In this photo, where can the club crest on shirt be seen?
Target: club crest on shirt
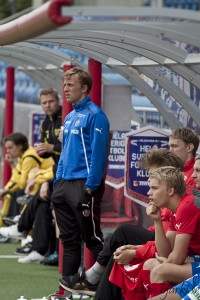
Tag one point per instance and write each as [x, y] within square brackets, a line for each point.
[77, 123]
[86, 212]
[56, 131]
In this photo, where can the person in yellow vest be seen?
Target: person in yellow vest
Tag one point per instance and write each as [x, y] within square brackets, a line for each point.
[36, 177]
[22, 158]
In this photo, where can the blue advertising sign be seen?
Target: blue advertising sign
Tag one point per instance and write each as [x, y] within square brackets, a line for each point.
[116, 159]
[36, 119]
[137, 144]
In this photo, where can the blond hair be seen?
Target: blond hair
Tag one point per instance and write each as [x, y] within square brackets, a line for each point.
[172, 176]
[83, 76]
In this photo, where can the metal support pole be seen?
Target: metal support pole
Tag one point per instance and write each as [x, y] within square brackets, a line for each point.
[9, 114]
[95, 69]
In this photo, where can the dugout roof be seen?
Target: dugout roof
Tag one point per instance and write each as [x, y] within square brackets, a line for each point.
[134, 42]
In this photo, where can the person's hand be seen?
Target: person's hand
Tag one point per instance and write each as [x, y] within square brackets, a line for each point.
[3, 193]
[124, 256]
[10, 160]
[130, 247]
[153, 211]
[43, 148]
[161, 259]
[44, 191]
[29, 185]
[60, 136]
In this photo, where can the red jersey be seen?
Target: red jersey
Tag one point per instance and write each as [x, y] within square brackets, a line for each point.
[190, 184]
[188, 170]
[187, 220]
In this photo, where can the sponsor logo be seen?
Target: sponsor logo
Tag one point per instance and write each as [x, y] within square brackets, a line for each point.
[146, 286]
[81, 116]
[75, 131]
[130, 267]
[100, 130]
[178, 226]
[140, 183]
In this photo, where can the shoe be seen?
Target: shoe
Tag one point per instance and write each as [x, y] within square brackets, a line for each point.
[33, 257]
[27, 240]
[4, 239]
[12, 232]
[57, 297]
[78, 284]
[8, 221]
[60, 295]
[51, 260]
[24, 199]
[16, 219]
[25, 250]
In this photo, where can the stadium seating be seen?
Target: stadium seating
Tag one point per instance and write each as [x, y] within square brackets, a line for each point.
[184, 4]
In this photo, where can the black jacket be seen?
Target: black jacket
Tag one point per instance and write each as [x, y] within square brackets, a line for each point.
[49, 134]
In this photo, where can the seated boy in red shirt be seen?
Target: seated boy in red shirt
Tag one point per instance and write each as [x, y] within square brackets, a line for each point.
[167, 189]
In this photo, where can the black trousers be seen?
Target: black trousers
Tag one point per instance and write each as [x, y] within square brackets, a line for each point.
[15, 208]
[38, 216]
[74, 226]
[124, 235]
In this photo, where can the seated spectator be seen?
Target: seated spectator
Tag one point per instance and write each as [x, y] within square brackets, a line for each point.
[38, 217]
[17, 147]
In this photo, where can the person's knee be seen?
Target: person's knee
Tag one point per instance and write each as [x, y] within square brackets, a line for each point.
[150, 264]
[122, 232]
[158, 273]
[126, 227]
[120, 229]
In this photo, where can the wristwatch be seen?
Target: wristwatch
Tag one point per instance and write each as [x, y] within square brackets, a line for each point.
[88, 191]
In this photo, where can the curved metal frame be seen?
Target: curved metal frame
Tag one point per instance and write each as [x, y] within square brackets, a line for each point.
[119, 45]
[170, 87]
